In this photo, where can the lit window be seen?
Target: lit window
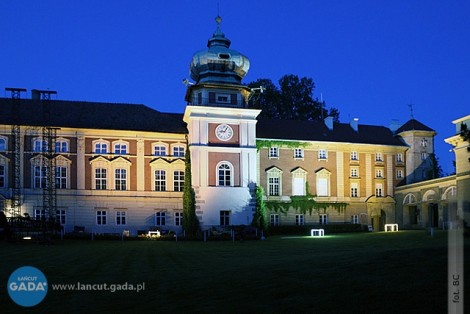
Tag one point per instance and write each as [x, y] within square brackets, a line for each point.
[39, 146]
[101, 148]
[378, 190]
[60, 216]
[354, 155]
[160, 180]
[3, 144]
[121, 218]
[2, 176]
[178, 218]
[273, 152]
[298, 153]
[322, 154]
[101, 217]
[354, 190]
[299, 219]
[120, 179]
[160, 218]
[40, 176]
[61, 177]
[355, 219]
[322, 186]
[159, 150]
[178, 151]
[101, 179]
[225, 218]
[323, 219]
[274, 220]
[178, 181]
[224, 173]
[120, 149]
[61, 147]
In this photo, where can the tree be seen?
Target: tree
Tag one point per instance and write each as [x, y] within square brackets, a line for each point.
[436, 171]
[260, 219]
[292, 100]
[190, 221]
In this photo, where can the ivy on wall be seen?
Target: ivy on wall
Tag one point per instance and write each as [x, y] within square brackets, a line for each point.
[272, 143]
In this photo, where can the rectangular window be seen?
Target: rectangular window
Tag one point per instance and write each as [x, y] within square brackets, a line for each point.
[120, 149]
[3, 145]
[39, 214]
[40, 175]
[101, 179]
[273, 152]
[159, 150]
[274, 220]
[424, 142]
[322, 186]
[160, 218]
[299, 219]
[61, 147]
[60, 216]
[199, 98]
[178, 181]
[101, 148]
[121, 218]
[160, 180]
[399, 174]
[354, 172]
[40, 146]
[2, 176]
[354, 190]
[378, 157]
[378, 173]
[354, 155]
[424, 156]
[101, 217]
[298, 186]
[225, 218]
[178, 218]
[274, 186]
[323, 219]
[378, 190]
[322, 154]
[60, 177]
[355, 219]
[120, 179]
[178, 151]
[298, 153]
[399, 158]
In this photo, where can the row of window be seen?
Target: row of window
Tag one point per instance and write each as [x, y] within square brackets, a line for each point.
[378, 173]
[274, 152]
[274, 219]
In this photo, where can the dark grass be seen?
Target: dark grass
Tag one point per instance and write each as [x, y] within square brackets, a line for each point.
[404, 272]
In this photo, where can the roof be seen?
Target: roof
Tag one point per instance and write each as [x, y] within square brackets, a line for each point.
[298, 130]
[413, 125]
[88, 115]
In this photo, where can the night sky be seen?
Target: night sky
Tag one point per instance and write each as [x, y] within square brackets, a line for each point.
[370, 59]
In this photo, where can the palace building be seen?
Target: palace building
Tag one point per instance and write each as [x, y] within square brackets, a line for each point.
[105, 168]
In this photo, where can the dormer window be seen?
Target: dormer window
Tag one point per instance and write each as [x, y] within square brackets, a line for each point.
[224, 55]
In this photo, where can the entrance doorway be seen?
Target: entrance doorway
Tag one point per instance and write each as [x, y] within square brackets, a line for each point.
[433, 215]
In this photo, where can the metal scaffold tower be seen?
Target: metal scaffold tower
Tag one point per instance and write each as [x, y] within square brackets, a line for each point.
[16, 199]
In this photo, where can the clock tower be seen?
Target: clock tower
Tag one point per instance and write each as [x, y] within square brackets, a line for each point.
[222, 135]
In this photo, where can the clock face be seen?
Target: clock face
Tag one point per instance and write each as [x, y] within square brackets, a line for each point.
[224, 132]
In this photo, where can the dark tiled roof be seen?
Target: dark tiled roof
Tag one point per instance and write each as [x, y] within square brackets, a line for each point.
[296, 130]
[413, 125]
[88, 115]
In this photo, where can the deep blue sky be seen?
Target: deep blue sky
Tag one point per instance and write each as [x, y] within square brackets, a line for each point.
[369, 59]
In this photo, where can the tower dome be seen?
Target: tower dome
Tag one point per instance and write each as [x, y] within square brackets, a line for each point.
[218, 63]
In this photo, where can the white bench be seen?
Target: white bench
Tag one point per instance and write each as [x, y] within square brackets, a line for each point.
[391, 227]
[154, 233]
[317, 232]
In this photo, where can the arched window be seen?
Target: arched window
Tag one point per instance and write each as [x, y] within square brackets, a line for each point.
[224, 174]
[3, 144]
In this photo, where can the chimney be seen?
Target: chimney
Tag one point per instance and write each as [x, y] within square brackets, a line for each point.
[329, 123]
[35, 94]
[355, 124]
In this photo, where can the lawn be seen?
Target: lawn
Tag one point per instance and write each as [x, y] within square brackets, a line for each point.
[349, 273]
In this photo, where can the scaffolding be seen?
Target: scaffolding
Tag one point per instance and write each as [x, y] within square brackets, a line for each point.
[16, 199]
